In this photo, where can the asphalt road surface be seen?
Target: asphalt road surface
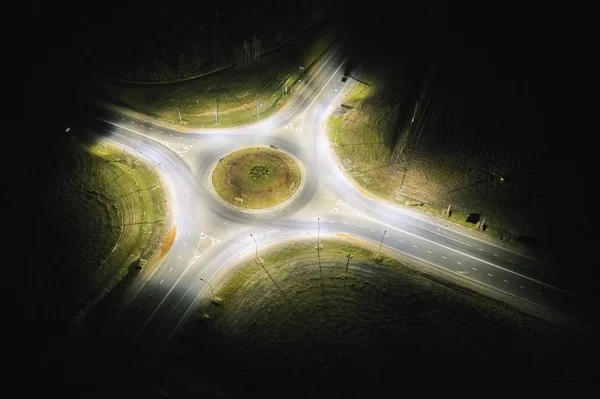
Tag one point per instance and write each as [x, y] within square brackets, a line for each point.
[212, 235]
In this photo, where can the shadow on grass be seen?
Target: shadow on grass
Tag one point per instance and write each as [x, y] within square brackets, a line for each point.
[473, 218]
[537, 243]
[108, 307]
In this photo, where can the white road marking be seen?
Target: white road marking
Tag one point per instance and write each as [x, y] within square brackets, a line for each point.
[527, 266]
[170, 135]
[151, 294]
[428, 251]
[345, 222]
[193, 139]
[458, 262]
[189, 231]
[415, 246]
[539, 293]
[185, 243]
[474, 268]
[444, 257]
[400, 241]
[331, 221]
[495, 254]
[506, 281]
[475, 258]
[151, 129]
[521, 286]
[490, 275]
[359, 225]
[510, 260]
[171, 268]
[161, 281]
[179, 256]
[480, 249]
[204, 236]
[373, 230]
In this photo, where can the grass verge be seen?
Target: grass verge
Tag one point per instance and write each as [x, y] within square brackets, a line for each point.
[305, 325]
[256, 178]
[100, 212]
[230, 98]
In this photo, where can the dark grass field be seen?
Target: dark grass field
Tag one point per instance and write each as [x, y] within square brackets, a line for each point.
[382, 329]
[86, 214]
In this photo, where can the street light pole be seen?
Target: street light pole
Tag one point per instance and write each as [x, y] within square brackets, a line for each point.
[212, 293]
[256, 245]
[318, 231]
[379, 250]
[180, 121]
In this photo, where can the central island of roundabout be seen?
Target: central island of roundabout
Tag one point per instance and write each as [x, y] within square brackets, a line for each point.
[257, 178]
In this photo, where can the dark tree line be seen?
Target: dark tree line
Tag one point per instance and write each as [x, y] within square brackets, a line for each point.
[159, 39]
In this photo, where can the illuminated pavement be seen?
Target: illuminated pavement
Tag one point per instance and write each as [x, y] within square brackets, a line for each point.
[212, 235]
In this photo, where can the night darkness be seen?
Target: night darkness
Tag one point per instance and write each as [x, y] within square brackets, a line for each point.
[509, 60]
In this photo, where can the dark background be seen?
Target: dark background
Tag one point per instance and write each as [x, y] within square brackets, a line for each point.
[530, 48]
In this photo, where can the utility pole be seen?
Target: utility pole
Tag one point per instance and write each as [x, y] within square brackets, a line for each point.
[347, 262]
[379, 250]
[180, 121]
[448, 210]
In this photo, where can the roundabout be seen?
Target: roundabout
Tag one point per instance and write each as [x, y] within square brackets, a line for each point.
[256, 178]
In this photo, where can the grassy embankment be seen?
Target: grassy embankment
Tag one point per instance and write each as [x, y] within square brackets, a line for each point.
[256, 178]
[311, 328]
[366, 140]
[227, 98]
[99, 213]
